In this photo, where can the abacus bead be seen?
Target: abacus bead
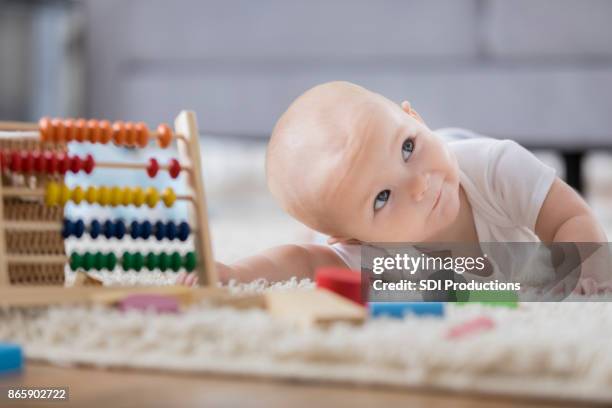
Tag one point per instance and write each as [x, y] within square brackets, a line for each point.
[78, 194]
[152, 167]
[68, 228]
[174, 168]
[170, 230]
[93, 131]
[145, 229]
[160, 230]
[119, 229]
[45, 129]
[94, 229]
[163, 261]
[51, 162]
[91, 195]
[27, 161]
[126, 196]
[126, 261]
[164, 135]
[130, 134]
[135, 229]
[65, 194]
[76, 261]
[108, 229]
[111, 261]
[189, 261]
[70, 130]
[137, 261]
[59, 133]
[52, 194]
[106, 131]
[138, 196]
[168, 197]
[104, 196]
[176, 261]
[75, 164]
[39, 162]
[79, 228]
[89, 164]
[151, 261]
[183, 231]
[81, 131]
[15, 162]
[99, 261]
[116, 196]
[152, 197]
[119, 133]
[63, 163]
[88, 261]
[142, 132]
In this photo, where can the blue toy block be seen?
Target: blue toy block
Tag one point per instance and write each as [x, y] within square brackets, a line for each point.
[11, 358]
[399, 309]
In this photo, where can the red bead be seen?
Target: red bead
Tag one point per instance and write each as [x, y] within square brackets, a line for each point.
[27, 161]
[39, 162]
[75, 164]
[88, 164]
[174, 168]
[344, 282]
[4, 160]
[64, 163]
[51, 162]
[15, 162]
[153, 167]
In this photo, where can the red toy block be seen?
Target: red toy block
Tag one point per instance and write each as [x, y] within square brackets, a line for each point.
[344, 282]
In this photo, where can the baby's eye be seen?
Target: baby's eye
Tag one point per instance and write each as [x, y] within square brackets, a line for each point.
[381, 199]
[407, 148]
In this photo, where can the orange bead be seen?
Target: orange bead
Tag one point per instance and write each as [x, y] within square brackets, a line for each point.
[93, 131]
[164, 135]
[70, 129]
[46, 131]
[119, 133]
[106, 131]
[142, 134]
[80, 126]
[130, 134]
[59, 133]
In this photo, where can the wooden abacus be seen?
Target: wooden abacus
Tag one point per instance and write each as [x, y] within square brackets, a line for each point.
[48, 161]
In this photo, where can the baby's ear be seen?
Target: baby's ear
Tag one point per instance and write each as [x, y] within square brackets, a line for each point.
[342, 240]
[408, 109]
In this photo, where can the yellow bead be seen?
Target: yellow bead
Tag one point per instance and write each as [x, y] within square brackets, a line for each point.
[78, 194]
[138, 196]
[126, 196]
[169, 197]
[52, 194]
[91, 195]
[104, 196]
[152, 197]
[65, 194]
[116, 196]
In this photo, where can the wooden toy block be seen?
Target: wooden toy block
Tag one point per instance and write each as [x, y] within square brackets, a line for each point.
[313, 307]
[344, 282]
[149, 302]
[85, 279]
[11, 358]
[400, 309]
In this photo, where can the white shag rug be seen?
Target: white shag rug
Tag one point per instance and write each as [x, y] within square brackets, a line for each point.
[549, 350]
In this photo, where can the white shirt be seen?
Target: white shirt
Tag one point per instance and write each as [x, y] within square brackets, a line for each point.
[504, 182]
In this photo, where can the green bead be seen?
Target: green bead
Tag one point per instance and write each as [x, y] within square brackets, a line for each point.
[99, 261]
[189, 261]
[76, 261]
[137, 261]
[176, 261]
[111, 261]
[88, 261]
[163, 261]
[151, 261]
[126, 261]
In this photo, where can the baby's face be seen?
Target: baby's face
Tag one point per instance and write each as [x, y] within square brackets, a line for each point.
[397, 182]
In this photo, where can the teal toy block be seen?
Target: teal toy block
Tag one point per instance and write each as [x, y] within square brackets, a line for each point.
[11, 358]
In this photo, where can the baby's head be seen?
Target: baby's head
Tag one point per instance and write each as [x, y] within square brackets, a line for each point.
[351, 164]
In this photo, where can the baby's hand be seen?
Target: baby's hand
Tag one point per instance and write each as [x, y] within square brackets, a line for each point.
[224, 273]
[589, 287]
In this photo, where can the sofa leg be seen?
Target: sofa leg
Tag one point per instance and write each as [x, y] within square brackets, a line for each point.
[573, 169]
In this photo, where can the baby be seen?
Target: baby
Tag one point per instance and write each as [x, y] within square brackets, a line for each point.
[355, 166]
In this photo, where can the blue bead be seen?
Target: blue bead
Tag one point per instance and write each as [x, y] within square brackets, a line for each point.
[134, 229]
[79, 228]
[68, 228]
[119, 229]
[145, 231]
[94, 229]
[108, 229]
[400, 309]
[183, 231]
[160, 230]
[11, 358]
[170, 230]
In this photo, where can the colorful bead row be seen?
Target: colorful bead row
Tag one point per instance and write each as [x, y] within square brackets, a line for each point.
[174, 168]
[60, 194]
[57, 130]
[133, 261]
[25, 161]
[118, 229]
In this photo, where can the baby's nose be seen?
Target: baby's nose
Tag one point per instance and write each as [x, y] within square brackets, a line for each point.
[419, 186]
